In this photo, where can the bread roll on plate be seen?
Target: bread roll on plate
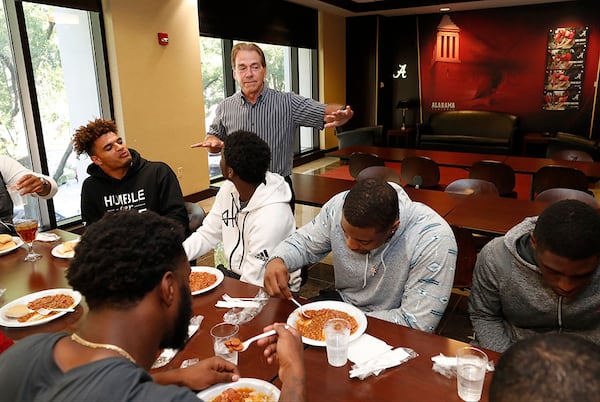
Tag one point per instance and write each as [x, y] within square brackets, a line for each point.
[17, 311]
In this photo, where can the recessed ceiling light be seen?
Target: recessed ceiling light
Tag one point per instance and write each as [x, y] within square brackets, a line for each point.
[444, 9]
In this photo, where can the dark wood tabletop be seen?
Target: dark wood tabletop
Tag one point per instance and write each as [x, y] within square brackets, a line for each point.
[530, 165]
[413, 380]
[492, 215]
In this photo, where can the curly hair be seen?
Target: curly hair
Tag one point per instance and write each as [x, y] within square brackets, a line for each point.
[84, 137]
[123, 256]
[248, 155]
[371, 203]
[570, 229]
[251, 47]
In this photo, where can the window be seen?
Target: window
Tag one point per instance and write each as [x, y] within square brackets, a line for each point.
[62, 67]
[289, 69]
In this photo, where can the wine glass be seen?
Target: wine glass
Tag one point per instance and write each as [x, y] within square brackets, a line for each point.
[27, 229]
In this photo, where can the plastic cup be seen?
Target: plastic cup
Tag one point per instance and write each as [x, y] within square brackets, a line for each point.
[18, 200]
[471, 364]
[221, 333]
[337, 338]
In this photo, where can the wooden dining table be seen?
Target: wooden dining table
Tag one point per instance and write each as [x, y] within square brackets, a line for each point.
[413, 380]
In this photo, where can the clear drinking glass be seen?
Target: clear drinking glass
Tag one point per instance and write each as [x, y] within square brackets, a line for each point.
[27, 229]
[221, 333]
[471, 364]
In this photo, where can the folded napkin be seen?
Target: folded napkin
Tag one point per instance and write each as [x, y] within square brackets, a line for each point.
[168, 354]
[446, 365]
[242, 302]
[45, 236]
[371, 356]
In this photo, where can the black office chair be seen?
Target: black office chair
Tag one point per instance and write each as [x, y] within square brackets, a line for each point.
[420, 172]
[359, 161]
[553, 195]
[501, 174]
[554, 176]
[196, 215]
[382, 172]
[472, 187]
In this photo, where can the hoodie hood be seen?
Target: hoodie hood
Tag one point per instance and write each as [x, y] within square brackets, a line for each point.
[274, 190]
[512, 237]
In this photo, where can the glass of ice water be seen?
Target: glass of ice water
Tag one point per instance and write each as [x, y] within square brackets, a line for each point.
[337, 338]
[221, 333]
[471, 364]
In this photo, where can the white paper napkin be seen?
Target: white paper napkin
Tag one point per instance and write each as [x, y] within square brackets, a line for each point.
[47, 237]
[366, 347]
[375, 366]
[446, 365]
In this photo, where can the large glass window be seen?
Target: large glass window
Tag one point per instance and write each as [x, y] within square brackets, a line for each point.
[63, 55]
[288, 69]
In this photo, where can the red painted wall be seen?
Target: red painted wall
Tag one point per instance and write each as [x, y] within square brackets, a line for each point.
[503, 64]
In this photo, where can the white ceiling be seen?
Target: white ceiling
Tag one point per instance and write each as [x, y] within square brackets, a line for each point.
[461, 6]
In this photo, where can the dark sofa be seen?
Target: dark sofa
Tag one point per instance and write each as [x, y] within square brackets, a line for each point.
[470, 131]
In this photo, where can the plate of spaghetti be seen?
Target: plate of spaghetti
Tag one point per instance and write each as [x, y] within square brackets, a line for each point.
[22, 311]
[321, 311]
[244, 389]
[203, 279]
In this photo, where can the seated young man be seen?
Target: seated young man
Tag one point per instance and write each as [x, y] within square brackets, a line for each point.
[251, 213]
[542, 276]
[134, 275]
[392, 258]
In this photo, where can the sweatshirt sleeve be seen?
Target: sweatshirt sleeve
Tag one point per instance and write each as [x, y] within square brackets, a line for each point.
[207, 236]
[485, 305]
[429, 283]
[312, 242]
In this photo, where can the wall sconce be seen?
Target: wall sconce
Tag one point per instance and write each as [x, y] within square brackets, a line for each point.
[403, 105]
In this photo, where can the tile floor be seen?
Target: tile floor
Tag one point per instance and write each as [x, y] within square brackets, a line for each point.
[455, 324]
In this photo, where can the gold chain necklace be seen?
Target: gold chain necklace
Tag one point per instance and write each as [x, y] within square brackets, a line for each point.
[122, 352]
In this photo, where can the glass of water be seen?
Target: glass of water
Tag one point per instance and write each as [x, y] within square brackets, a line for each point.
[471, 364]
[337, 338]
[221, 333]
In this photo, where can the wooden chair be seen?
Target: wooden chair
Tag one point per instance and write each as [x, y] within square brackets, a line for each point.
[420, 172]
[359, 161]
[572, 155]
[472, 187]
[501, 174]
[556, 194]
[554, 176]
[383, 172]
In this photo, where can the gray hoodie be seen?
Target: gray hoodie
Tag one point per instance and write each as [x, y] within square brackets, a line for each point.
[510, 301]
[407, 280]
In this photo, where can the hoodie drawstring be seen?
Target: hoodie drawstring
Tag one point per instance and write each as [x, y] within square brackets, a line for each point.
[367, 264]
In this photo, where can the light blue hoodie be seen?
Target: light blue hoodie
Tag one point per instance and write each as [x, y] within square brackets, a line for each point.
[407, 280]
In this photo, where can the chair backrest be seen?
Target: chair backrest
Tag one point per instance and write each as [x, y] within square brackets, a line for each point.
[359, 160]
[553, 176]
[420, 171]
[572, 155]
[556, 194]
[361, 136]
[561, 141]
[499, 173]
[472, 187]
[196, 215]
[383, 172]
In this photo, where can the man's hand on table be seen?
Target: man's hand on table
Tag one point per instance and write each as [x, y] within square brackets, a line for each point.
[276, 279]
[205, 373]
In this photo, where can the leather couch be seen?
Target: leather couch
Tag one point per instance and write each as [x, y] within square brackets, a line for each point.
[470, 131]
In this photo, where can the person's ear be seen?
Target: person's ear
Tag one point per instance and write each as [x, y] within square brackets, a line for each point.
[532, 240]
[96, 160]
[167, 288]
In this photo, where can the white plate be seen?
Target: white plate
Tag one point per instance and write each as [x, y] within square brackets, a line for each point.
[57, 250]
[13, 322]
[358, 315]
[210, 270]
[261, 386]
[18, 243]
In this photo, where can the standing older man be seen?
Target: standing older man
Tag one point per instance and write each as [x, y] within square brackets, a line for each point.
[271, 114]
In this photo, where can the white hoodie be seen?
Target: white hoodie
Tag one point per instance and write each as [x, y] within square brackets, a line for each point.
[250, 234]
